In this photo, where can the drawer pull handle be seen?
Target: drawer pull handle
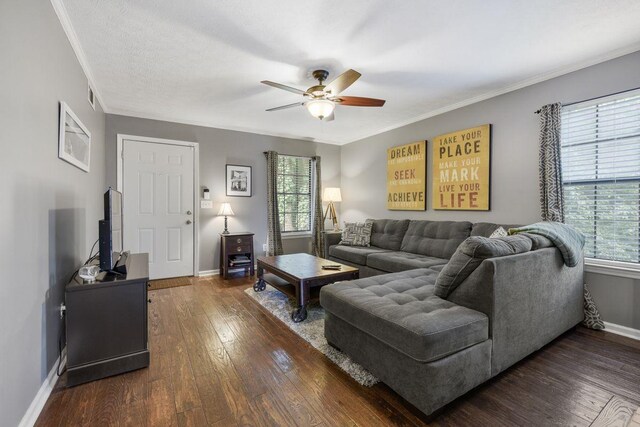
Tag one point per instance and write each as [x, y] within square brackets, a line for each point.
[238, 240]
[239, 249]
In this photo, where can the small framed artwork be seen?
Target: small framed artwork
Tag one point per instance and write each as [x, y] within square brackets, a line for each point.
[238, 181]
[74, 139]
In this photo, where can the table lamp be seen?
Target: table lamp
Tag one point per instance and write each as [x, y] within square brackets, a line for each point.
[331, 195]
[225, 210]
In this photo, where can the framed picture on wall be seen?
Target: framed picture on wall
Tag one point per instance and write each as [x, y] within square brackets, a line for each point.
[74, 139]
[407, 177]
[238, 181]
[461, 170]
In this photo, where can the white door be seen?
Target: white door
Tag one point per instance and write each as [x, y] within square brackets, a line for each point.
[158, 205]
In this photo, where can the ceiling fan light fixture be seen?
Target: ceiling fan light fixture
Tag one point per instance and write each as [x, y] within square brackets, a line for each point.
[320, 108]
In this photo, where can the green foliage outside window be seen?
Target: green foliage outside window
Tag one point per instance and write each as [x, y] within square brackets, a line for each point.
[294, 193]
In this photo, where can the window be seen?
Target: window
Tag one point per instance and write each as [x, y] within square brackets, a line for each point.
[294, 193]
[600, 149]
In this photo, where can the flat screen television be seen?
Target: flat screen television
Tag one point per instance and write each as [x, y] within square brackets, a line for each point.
[110, 232]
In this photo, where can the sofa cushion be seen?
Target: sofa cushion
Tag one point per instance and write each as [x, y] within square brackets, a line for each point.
[388, 233]
[470, 255]
[401, 261]
[355, 254]
[401, 310]
[435, 238]
[485, 229]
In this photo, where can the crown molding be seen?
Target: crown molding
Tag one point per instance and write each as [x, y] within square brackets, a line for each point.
[506, 89]
[65, 21]
[136, 114]
[464, 103]
[63, 16]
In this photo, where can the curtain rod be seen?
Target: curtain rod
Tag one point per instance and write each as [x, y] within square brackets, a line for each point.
[292, 155]
[594, 98]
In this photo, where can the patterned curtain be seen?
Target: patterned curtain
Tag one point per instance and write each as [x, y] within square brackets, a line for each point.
[274, 244]
[317, 219]
[551, 193]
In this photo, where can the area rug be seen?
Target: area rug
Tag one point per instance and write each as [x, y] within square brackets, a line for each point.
[174, 282]
[311, 330]
[618, 412]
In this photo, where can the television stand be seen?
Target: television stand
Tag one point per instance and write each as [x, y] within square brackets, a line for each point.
[106, 323]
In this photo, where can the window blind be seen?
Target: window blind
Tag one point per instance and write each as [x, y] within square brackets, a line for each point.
[600, 150]
[294, 193]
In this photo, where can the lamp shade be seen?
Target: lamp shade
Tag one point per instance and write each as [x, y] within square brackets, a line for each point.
[320, 108]
[332, 194]
[225, 210]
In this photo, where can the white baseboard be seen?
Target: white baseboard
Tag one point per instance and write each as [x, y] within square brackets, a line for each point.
[625, 331]
[31, 416]
[205, 273]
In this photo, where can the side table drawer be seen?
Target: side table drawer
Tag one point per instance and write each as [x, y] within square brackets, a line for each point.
[237, 249]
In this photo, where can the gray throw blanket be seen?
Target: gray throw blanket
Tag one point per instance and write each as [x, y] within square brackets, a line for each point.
[569, 240]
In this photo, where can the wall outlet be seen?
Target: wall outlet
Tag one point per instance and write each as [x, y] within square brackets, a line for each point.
[264, 247]
[206, 204]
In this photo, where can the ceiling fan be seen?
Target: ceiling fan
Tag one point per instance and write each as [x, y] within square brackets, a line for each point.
[322, 99]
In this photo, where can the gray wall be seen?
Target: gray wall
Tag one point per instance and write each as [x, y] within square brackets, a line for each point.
[50, 209]
[217, 148]
[514, 192]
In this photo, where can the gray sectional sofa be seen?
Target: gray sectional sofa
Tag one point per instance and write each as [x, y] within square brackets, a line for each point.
[432, 342]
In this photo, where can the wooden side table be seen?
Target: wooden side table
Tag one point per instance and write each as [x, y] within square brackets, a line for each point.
[236, 253]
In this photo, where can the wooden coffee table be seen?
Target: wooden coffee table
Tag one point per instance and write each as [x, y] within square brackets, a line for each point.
[296, 274]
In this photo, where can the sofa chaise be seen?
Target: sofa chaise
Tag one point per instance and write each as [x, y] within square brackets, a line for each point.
[432, 338]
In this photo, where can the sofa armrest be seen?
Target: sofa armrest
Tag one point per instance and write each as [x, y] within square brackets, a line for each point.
[530, 299]
[330, 238]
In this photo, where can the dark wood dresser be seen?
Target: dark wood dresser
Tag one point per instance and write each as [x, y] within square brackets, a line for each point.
[106, 323]
[236, 253]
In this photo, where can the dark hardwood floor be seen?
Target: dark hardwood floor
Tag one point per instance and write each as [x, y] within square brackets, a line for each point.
[218, 358]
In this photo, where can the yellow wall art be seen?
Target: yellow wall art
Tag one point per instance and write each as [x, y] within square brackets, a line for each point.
[407, 177]
[461, 173]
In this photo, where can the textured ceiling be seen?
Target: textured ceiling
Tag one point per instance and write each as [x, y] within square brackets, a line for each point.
[201, 61]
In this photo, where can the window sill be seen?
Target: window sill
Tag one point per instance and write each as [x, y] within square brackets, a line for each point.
[295, 235]
[612, 268]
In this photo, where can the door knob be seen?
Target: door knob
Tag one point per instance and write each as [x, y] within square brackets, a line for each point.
[188, 221]
[188, 212]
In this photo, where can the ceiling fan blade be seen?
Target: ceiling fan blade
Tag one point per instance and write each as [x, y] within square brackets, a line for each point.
[342, 82]
[282, 107]
[283, 87]
[331, 117]
[358, 101]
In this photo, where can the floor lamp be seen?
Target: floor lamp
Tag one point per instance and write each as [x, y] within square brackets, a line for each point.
[331, 195]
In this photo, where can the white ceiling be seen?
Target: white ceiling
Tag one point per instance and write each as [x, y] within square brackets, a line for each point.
[201, 62]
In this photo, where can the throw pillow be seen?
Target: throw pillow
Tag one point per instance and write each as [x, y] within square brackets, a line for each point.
[592, 318]
[357, 233]
[470, 255]
[499, 232]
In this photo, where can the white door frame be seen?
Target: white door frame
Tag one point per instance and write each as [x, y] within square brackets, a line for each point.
[196, 183]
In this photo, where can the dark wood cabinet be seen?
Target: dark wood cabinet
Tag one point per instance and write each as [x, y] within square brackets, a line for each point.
[236, 253]
[106, 323]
